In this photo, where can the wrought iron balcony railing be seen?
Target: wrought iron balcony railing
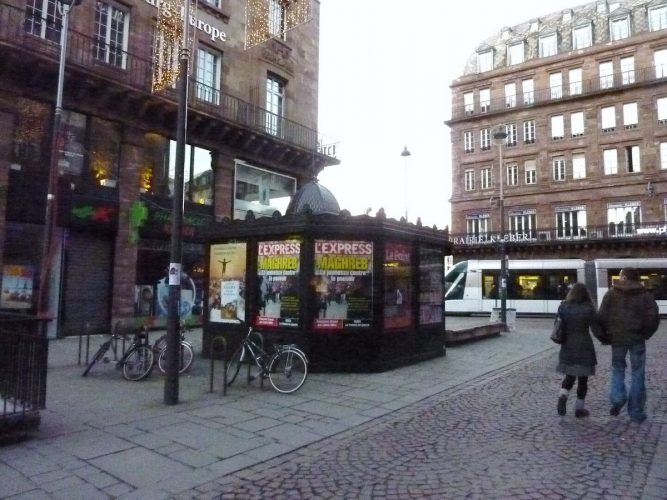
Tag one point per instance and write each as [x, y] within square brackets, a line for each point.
[574, 90]
[588, 233]
[134, 72]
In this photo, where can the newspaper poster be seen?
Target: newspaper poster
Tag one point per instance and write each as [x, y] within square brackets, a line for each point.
[397, 286]
[227, 282]
[278, 266]
[343, 284]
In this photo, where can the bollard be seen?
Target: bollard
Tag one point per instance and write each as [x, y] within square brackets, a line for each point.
[223, 342]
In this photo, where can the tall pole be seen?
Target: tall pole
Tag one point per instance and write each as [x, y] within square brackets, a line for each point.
[500, 134]
[405, 154]
[171, 380]
[51, 213]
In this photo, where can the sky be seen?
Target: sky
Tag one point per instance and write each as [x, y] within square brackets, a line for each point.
[385, 71]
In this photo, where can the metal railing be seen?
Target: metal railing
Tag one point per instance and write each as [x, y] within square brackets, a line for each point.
[136, 72]
[583, 233]
[23, 365]
[604, 83]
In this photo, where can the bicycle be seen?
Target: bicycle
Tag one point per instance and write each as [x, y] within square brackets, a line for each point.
[136, 362]
[186, 352]
[286, 368]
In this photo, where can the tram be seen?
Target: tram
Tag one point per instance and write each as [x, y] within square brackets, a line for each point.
[538, 286]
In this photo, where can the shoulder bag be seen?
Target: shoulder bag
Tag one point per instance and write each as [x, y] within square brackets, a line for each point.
[558, 332]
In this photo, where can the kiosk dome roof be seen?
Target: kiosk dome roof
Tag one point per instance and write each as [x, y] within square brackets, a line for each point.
[316, 198]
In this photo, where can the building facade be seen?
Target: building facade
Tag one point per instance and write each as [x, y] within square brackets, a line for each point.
[252, 140]
[580, 100]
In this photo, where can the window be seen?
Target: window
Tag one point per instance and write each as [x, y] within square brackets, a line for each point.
[619, 28]
[610, 160]
[485, 178]
[199, 182]
[660, 62]
[275, 104]
[582, 37]
[657, 18]
[214, 3]
[558, 164]
[663, 155]
[570, 222]
[530, 168]
[208, 75]
[468, 103]
[608, 119]
[43, 19]
[468, 141]
[261, 191]
[661, 104]
[557, 127]
[111, 32]
[548, 45]
[485, 139]
[628, 70]
[633, 159]
[579, 166]
[630, 115]
[485, 61]
[575, 78]
[72, 155]
[512, 174]
[276, 21]
[469, 178]
[622, 217]
[510, 95]
[577, 124]
[510, 129]
[477, 225]
[606, 75]
[522, 224]
[529, 131]
[528, 91]
[556, 85]
[515, 53]
[485, 100]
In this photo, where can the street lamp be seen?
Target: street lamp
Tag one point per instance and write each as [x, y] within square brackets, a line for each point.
[51, 213]
[405, 153]
[499, 136]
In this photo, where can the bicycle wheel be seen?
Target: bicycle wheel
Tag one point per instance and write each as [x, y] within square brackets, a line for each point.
[98, 355]
[234, 365]
[288, 369]
[138, 363]
[185, 357]
[160, 345]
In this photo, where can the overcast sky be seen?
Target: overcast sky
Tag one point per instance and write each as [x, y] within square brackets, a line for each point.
[385, 71]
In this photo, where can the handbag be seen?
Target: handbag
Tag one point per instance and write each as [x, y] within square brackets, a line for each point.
[558, 331]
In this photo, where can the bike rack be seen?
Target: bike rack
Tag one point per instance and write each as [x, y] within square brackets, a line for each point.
[218, 342]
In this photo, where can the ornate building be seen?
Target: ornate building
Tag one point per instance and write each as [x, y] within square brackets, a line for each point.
[252, 140]
[577, 101]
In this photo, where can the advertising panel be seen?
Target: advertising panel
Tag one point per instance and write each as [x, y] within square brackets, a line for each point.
[397, 286]
[278, 266]
[431, 287]
[17, 283]
[343, 284]
[227, 283]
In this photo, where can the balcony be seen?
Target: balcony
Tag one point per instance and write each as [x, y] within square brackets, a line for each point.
[32, 62]
[601, 84]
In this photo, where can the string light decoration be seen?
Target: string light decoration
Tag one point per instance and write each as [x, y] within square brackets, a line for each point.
[168, 43]
[266, 19]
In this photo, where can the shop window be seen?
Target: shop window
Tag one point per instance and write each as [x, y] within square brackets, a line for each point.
[32, 138]
[261, 191]
[72, 150]
[104, 152]
[198, 178]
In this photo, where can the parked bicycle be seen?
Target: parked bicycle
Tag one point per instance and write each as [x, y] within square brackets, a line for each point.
[186, 353]
[286, 368]
[136, 362]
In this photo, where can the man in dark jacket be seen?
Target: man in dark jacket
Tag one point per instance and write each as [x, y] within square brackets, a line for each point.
[629, 316]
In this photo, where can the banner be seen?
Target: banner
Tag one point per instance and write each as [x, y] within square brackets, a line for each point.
[278, 266]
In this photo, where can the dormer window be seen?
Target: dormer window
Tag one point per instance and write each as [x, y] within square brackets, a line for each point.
[619, 27]
[582, 36]
[485, 61]
[515, 53]
[657, 18]
[548, 45]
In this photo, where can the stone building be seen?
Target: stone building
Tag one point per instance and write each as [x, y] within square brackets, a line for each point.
[581, 96]
[252, 140]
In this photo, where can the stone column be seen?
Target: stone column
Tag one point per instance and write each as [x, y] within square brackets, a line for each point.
[222, 163]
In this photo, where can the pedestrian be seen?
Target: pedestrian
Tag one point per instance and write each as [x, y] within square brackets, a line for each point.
[576, 358]
[629, 316]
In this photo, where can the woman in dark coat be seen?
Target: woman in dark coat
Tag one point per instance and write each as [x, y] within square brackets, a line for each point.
[577, 354]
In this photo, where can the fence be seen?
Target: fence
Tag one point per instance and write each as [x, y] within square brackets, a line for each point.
[23, 364]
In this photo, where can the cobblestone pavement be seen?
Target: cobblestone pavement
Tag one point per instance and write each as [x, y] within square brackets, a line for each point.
[498, 437]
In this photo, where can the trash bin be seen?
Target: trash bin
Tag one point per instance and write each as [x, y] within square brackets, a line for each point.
[495, 315]
[511, 319]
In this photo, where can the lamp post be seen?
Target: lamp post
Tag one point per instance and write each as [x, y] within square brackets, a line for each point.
[499, 136]
[51, 212]
[405, 154]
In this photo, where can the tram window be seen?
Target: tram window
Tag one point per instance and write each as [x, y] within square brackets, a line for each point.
[455, 281]
[540, 285]
[654, 280]
[490, 285]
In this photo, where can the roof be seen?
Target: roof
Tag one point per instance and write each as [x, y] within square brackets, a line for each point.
[315, 198]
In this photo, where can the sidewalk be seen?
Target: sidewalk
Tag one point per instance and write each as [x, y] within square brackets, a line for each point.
[104, 437]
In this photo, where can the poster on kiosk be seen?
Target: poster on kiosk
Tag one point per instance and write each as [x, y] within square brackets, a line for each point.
[278, 265]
